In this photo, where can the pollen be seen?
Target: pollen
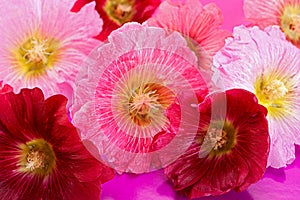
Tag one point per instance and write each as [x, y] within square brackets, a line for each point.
[120, 11]
[37, 157]
[147, 99]
[36, 55]
[270, 91]
[218, 139]
[36, 160]
[290, 22]
[274, 90]
[274, 93]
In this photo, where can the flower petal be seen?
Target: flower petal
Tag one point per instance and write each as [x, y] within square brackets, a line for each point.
[251, 54]
[137, 55]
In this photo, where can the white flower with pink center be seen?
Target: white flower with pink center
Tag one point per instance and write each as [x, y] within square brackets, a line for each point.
[142, 84]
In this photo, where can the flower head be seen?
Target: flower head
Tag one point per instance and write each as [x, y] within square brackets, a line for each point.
[41, 154]
[140, 84]
[229, 152]
[267, 65]
[200, 25]
[285, 13]
[117, 12]
[44, 44]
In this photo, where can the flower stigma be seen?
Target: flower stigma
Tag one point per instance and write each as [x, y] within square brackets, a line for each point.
[120, 11]
[36, 55]
[146, 100]
[274, 90]
[273, 93]
[37, 157]
[218, 139]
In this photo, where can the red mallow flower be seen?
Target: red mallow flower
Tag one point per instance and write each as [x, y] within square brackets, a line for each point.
[115, 13]
[41, 155]
[230, 150]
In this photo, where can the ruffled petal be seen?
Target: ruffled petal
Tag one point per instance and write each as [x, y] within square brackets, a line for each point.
[28, 117]
[71, 42]
[117, 70]
[198, 24]
[241, 166]
[262, 12]
[252, 54]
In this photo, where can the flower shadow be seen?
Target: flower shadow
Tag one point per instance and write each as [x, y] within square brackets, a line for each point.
[164, 190]
[297, 161]
[277, 175]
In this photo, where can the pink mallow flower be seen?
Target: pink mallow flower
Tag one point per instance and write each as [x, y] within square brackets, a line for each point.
[264, 63]
[142, 84]
[285, 13]
[200, 25]
[43, 43]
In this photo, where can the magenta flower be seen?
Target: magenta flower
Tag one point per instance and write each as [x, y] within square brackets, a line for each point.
[200, 25]
[284, 13]
[41, 155]
[264, 63]
[43, 43]
[140, 84]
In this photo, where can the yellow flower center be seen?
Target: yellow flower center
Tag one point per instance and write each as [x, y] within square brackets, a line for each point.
[273, 92]
[218, 139]
[35, 55]
[37, 157]
[146, 100]
[120, 11]
[37, 52]
[290, 22]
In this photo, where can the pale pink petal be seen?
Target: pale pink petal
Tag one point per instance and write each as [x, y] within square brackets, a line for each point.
[274, 31]
[246, 57]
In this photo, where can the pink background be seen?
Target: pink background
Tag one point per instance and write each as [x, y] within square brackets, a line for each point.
[283, 184]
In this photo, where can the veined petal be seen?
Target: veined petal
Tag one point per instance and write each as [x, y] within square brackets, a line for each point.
[284, 13]
[199, 24]
[41, 50]
[137, 88]
[41, 153]
[239, 157]
[269, 67]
